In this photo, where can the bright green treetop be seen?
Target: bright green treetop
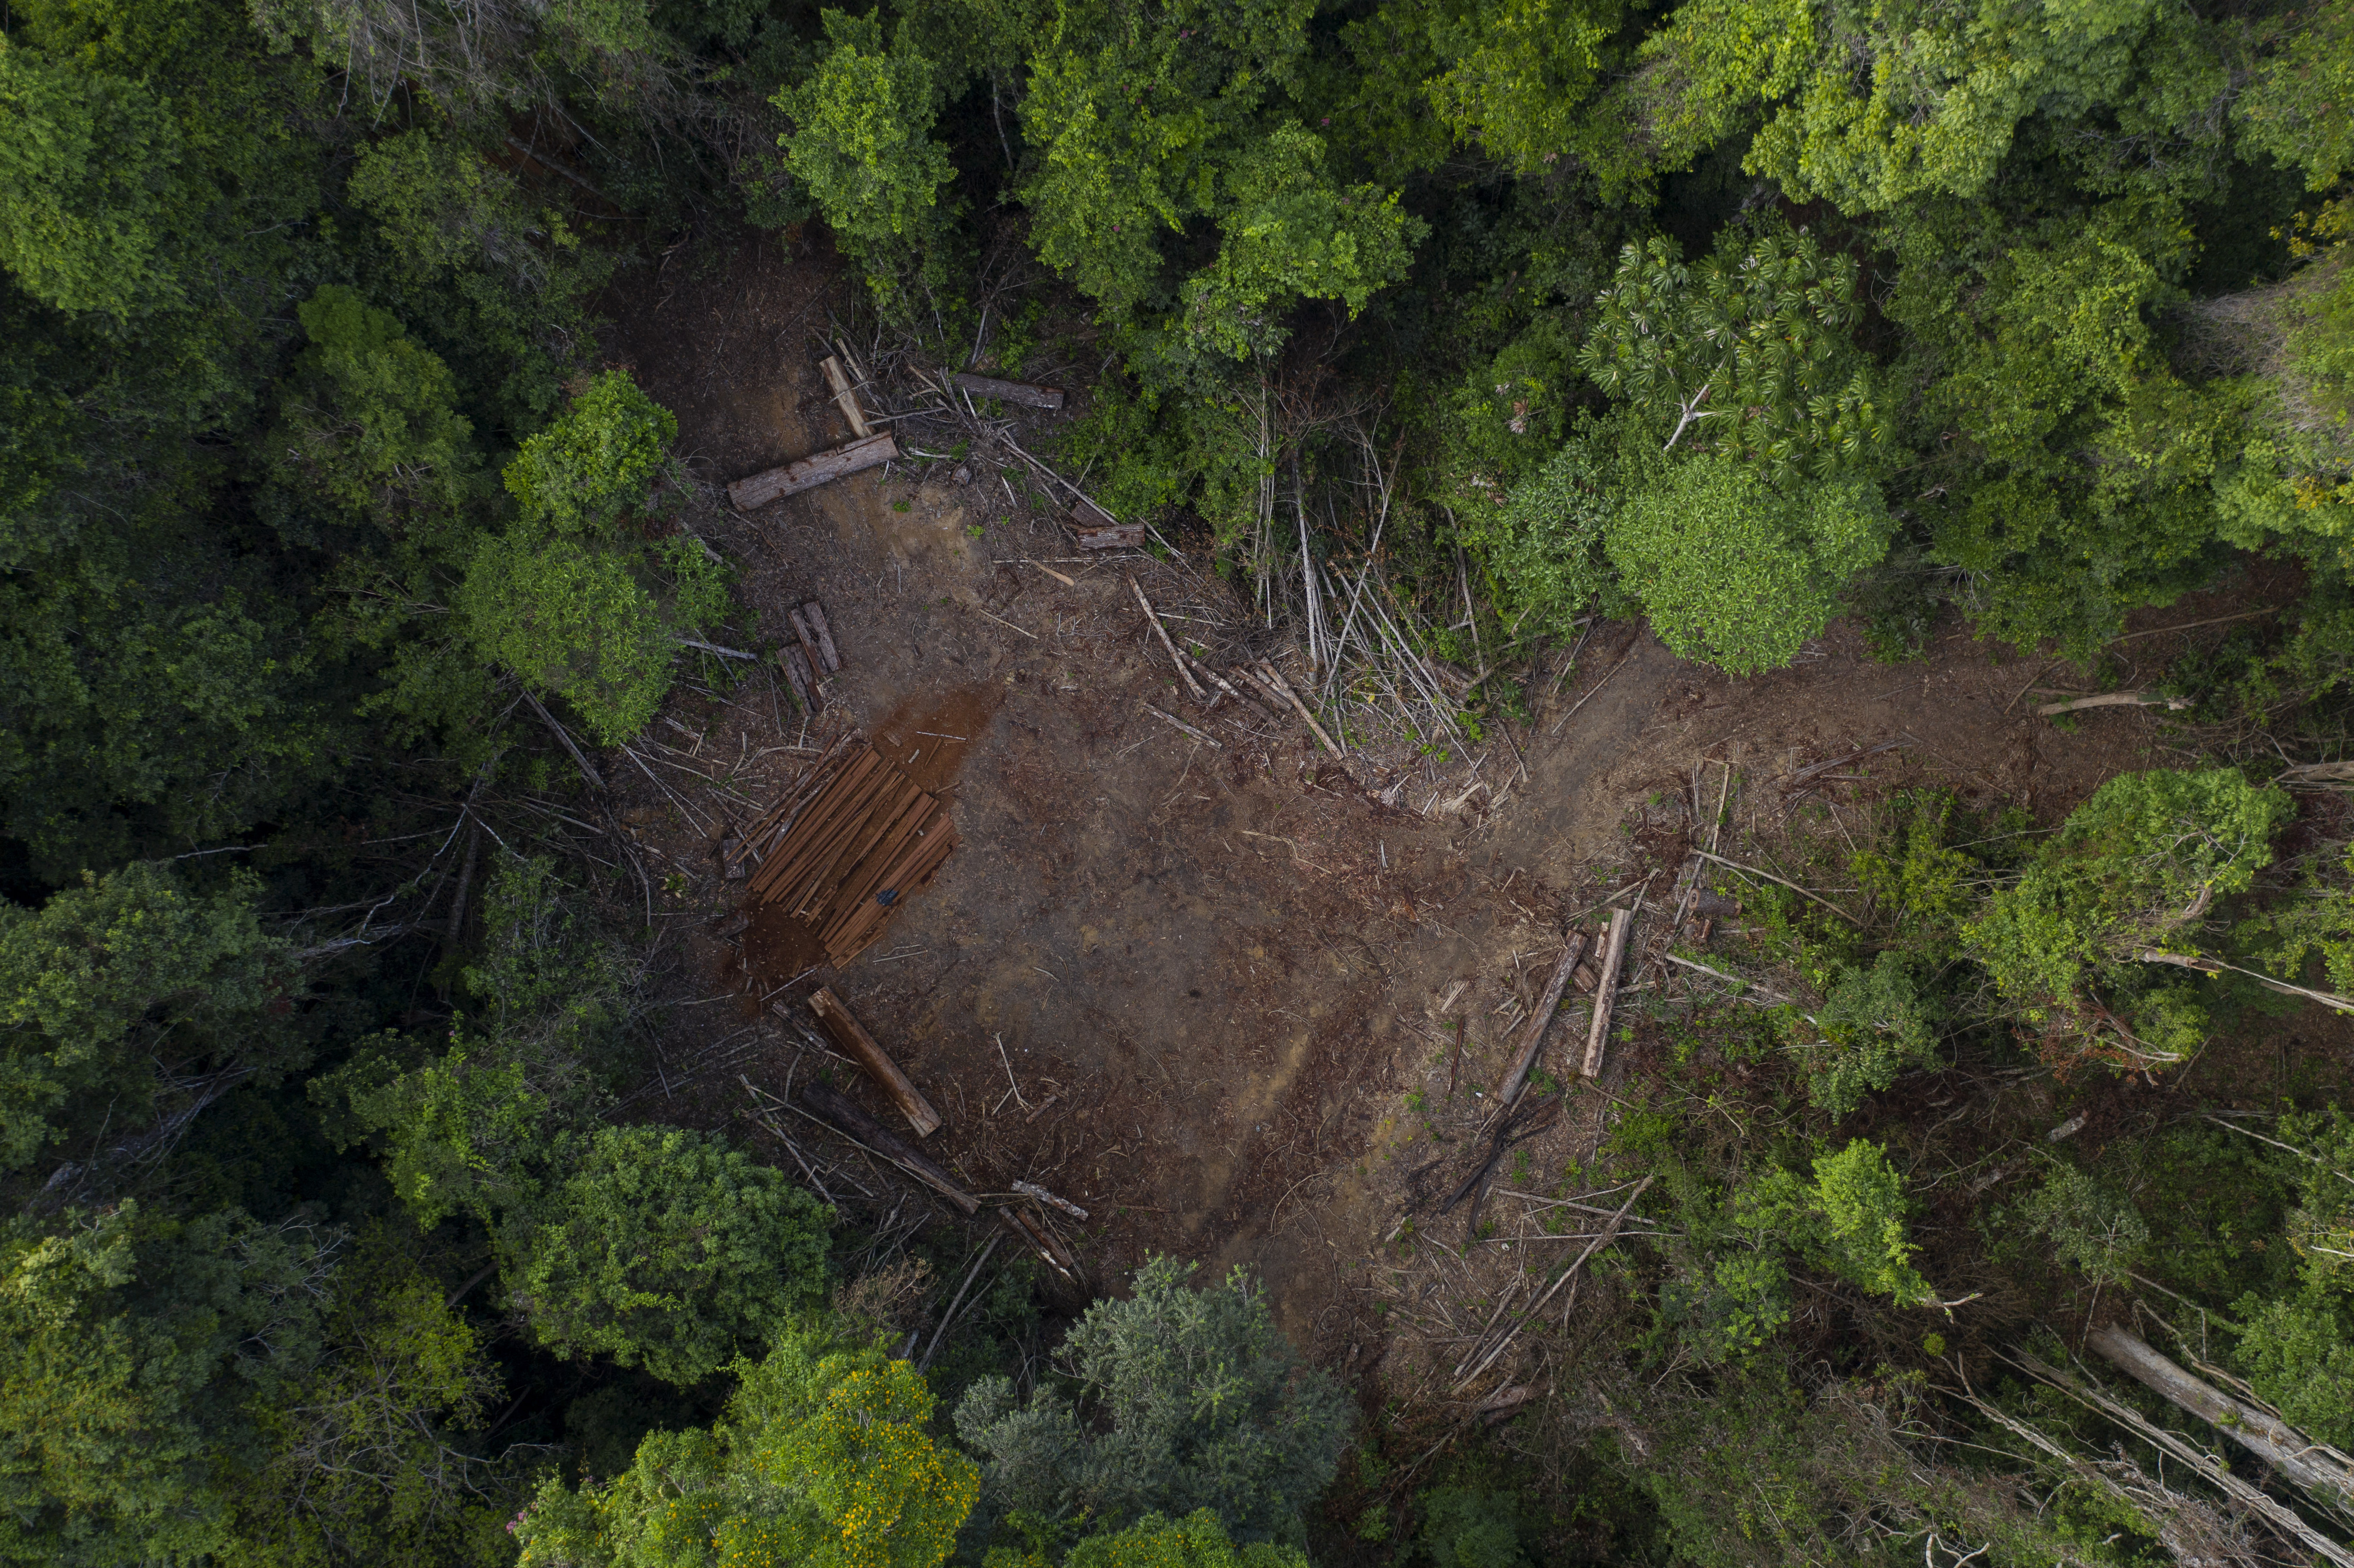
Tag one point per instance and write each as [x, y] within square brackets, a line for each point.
[2135, 868]
[1745, 352]
[663, 1248]
[862, 144]
[822, 1461]
[1851, 1219]
[1734, 568]
[591, 466]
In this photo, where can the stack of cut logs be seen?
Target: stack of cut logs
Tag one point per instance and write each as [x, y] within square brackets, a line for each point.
[871, 448]
[846, 847]
[810, 656]
[844, 1114]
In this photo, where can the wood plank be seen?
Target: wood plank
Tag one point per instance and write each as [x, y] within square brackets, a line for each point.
[1532, 1041]
[1039, 1240]
[895, 797]
[795, 853]
[866, 876]
[799, 623]
[855, 929]
[830, 1104]
[1606, 991]
[852, 1037]
[844, 399]
[1028, 394]
[796, 673]
[814, 613]
[1112, 536]
[867, 905]
[751, 493]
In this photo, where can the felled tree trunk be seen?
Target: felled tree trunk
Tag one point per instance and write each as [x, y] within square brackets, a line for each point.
[2319, 1470]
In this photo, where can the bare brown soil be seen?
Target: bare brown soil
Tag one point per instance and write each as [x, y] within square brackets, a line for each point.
[1218, 971]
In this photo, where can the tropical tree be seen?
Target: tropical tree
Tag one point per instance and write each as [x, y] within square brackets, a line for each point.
[2129, 878]
[821, 1459]
[1186, 1400]
[127, 1005]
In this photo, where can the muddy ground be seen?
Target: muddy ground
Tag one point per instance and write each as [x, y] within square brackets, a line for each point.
[1189, 989]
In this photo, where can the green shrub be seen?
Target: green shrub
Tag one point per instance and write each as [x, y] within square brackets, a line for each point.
[594, 464]
[1876, 1023]
[2091, 1226]
[1733, 569]
[1186, 1400]
[2134, 868]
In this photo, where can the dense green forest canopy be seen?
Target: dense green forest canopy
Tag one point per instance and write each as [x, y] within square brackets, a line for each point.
[320, 514]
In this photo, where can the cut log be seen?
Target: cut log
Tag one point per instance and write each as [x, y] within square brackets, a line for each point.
[814, 613]
[851, 1037]
[1517, 1126]
[1041, 1241]
[1273, 678]
[1152, 618]
[2319, 1470]
[808, 639]
[1206, 673]
[2116, 700]
[1022, 392]
[1533, 1042]
[2207, 966]
[844, 399]
[1032, 1189]
[1605, 990]
[1261, 692]
[776, 484]
[1184, 729]
[1112, 536]
[798, 676]
[840, 1112]
[596, 779]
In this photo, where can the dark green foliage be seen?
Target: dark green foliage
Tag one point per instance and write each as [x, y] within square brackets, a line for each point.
[312, 470]
[179, 1391]
[1876, 1022]
[658, 1248]
[1156, 1540]
[665, 1249]
[1466, 1527]
[1544, 547]
[2091, 1228]
[2297, 1343]
[119, 995]
[1184, 1399]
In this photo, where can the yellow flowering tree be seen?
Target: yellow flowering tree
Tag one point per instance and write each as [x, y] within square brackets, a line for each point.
[821, 1462]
